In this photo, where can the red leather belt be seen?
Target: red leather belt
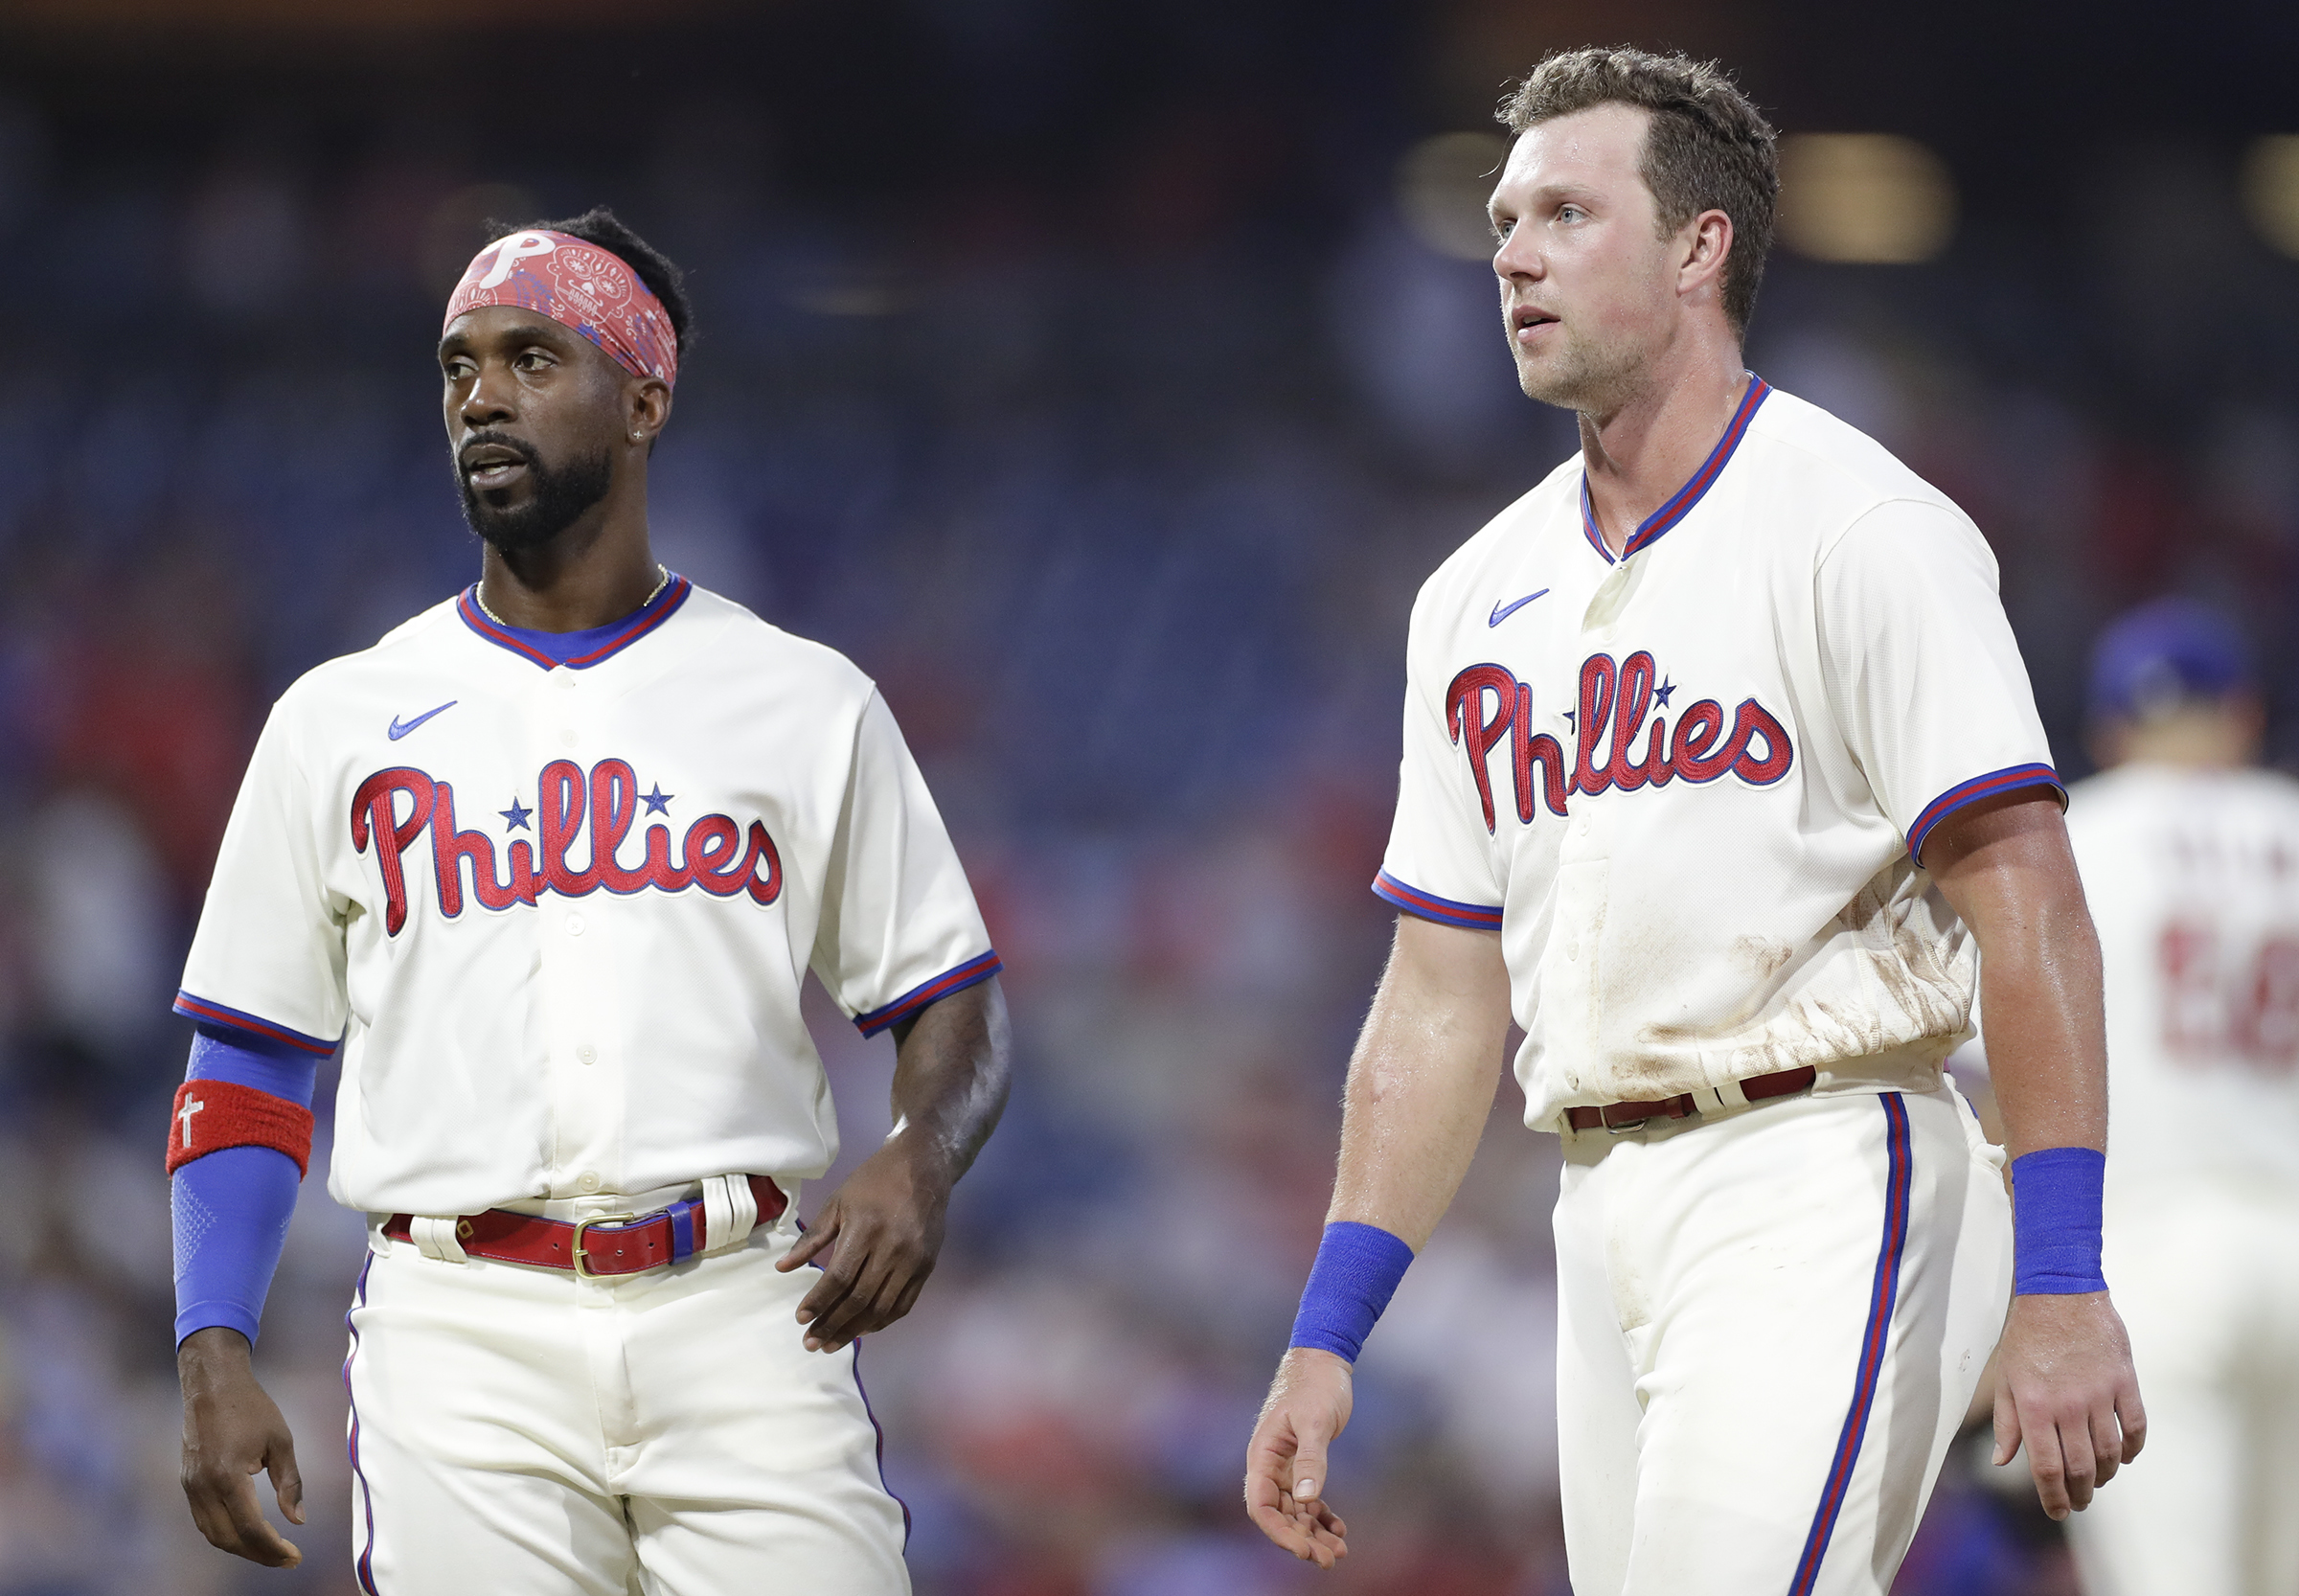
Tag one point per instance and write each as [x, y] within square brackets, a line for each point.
[1627, 1116]
[611, 1245]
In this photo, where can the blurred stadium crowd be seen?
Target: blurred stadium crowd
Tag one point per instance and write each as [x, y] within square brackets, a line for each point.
[1125, 514]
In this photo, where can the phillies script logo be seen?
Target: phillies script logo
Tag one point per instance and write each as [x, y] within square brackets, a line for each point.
[716, 855]
[1486, 703]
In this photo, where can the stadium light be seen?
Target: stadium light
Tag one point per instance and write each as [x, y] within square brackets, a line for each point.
[2271, 184]
[1442, 185]
[1867, 198]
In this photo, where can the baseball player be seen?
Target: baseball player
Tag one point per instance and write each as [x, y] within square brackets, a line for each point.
[549, 862]
[2192, 862]
[1721, 767]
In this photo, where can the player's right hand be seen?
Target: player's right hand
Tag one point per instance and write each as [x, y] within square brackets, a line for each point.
[1285, 1463]
[231, 1430]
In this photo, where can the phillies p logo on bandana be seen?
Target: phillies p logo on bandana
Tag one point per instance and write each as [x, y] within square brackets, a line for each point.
[576, 285]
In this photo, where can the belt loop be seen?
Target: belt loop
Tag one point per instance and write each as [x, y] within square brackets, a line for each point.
[1730, 1095]
[436, 1236]
[729, 1210]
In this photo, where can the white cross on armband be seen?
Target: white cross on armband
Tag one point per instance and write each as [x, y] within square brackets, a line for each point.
[188, 1110]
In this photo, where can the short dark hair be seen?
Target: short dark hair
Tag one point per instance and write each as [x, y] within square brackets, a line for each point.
[600, 226]
[1708, 148]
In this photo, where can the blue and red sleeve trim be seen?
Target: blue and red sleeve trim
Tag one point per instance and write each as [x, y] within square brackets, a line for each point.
[1474, 916]
[1964, 793]
[972, 972]
[200, 1009]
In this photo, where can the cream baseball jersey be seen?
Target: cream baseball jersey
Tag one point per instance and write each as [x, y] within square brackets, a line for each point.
[2192, 879]
[559, 914]
[1690, 785]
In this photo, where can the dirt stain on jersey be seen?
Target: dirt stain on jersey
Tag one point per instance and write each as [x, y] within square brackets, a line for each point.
[1904, 952]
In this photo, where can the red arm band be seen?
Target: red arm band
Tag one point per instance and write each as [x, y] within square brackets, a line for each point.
[211, 1115]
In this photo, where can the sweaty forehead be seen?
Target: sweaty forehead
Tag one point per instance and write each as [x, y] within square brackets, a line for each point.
[498, 327]
[1599, 149]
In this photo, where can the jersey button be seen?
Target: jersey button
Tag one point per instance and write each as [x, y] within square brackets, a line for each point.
[574, 925]
[587, 1054]
[588, 1181]
[564, 678]
[568, 737]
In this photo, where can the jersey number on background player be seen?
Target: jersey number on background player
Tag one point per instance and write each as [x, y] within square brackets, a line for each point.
[2218, 1003]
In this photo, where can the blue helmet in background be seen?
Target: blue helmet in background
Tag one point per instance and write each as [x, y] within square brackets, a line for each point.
[2163, 654]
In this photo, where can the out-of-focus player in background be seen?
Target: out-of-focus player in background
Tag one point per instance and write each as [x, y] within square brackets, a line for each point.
[2191, 859]
[552, 860]
[1721, 769]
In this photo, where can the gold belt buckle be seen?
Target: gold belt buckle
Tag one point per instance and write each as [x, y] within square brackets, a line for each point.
[582, 1270]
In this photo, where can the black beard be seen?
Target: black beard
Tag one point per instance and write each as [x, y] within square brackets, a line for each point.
[560, 498]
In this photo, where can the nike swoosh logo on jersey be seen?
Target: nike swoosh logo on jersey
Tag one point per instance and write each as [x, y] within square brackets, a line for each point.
[399, 728]
[1502, 612]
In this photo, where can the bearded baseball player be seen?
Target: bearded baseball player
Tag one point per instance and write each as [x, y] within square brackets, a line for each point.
[550, 862]
[1722, 775]
[2191, 858]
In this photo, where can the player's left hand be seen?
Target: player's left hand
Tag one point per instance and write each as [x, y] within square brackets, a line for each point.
[2064, 1385]
[876, 1242]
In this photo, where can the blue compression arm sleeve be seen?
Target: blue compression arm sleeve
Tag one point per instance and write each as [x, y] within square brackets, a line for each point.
[1357, 1272]
[230, 1209]
[2056, 1196]
[220, 1052]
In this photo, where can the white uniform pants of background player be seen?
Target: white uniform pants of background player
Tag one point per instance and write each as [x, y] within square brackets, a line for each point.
[2206, 1273]
[521, 1432]
[1769, 1326]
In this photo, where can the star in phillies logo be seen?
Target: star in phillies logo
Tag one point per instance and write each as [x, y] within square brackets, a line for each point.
[1486, 703]
[717, 855]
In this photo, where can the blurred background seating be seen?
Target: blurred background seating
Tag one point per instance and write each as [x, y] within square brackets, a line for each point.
[1104, 381]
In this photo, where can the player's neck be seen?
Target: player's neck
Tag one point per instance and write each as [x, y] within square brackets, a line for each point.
[595, 572]
[1637, 453]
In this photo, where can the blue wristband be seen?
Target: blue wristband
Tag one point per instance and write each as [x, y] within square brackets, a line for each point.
[1357, 1272]
[2056, 1222]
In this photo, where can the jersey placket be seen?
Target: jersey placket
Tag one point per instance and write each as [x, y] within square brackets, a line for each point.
[1571, 975]
[575, 969]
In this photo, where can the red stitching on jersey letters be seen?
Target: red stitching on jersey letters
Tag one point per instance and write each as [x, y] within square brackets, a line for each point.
[1617, 703]
[719, 856]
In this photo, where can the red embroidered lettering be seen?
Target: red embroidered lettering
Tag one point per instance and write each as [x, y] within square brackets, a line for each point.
[558, 811]
[1597, 682]
[375, 808]
[1527, 750]
[1466, 719]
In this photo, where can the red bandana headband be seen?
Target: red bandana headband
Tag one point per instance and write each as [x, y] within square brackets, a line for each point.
[579, 286]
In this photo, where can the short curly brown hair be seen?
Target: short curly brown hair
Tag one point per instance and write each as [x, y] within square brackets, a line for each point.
[1708, 146]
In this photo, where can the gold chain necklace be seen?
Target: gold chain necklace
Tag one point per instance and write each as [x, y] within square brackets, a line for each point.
[662, 579]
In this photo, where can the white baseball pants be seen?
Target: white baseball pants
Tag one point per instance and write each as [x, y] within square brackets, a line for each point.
[1769, 1328]
[522, 1432]
[2206, 1274]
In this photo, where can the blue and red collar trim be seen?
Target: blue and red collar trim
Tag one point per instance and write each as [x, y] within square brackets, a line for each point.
[596, 646]
[1681, 503]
